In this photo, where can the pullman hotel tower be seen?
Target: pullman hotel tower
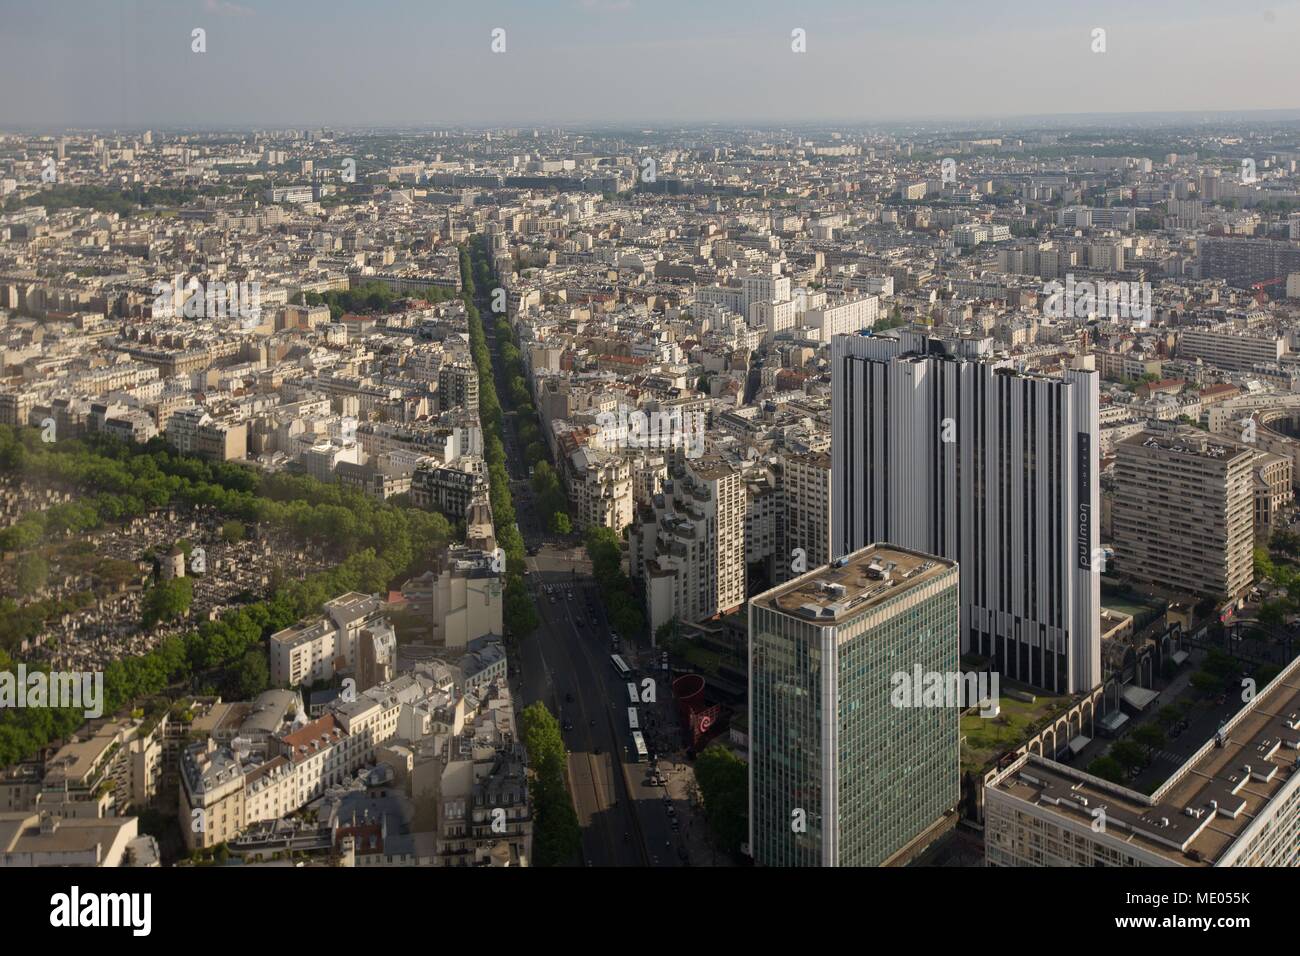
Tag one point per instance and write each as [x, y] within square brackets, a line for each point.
[947, 448]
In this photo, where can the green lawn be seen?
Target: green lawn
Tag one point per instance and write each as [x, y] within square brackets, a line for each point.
[989, 737]
[705, 660]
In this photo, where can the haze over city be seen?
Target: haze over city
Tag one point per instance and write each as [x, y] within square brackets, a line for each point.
[128, 63]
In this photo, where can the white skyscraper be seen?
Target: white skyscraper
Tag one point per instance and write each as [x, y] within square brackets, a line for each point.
[960, 455]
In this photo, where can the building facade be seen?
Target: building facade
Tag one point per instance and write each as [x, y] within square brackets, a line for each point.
[839, 774]
[1184, 511]
[957, 453]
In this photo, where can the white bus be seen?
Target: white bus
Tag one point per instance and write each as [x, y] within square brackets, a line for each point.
[620, 668]
[633, 696]
[633, 723]
[638, 752]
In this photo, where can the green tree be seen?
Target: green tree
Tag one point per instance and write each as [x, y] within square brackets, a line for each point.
[724, 785]
[31, 573]
[1204, 683]
[1129, 754]
[1107, 768]
[252, 677]
[560, 523]
[1149, 736]
[1169, 715]
[167, 601]
[556, 834]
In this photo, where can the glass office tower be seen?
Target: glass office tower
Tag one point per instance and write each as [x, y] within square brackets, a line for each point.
[840, 774]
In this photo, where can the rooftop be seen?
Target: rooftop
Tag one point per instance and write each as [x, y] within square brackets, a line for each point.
[856, 582]
[1186, 441]
[1195, 816]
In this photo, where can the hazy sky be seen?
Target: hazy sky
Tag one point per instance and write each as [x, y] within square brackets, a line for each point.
[128, 63]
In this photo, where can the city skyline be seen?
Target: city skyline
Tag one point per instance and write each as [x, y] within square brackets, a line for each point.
[599, 434]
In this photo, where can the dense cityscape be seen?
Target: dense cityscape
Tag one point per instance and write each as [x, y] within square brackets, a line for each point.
[911, 494]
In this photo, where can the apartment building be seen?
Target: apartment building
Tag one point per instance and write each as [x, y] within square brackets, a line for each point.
[467, 598]
[320, 458]
[1273, 491]
[1184, 506]
[303, 653]
[211, 795]
[193, 431]
[449, 489]
[108, 767]
[271, 768]
[600, 488]
[1245, 261]
[458, 387]
[1231, 349]
[805, 494]
[46, 839]
[1118, 366]
[689, 544]
[852, 315]
[317, 649]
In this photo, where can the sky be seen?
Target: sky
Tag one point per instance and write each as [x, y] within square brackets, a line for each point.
[129, 64]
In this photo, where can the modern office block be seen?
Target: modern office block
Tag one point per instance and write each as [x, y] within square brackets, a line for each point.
[1235, 802]
[840, 775]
